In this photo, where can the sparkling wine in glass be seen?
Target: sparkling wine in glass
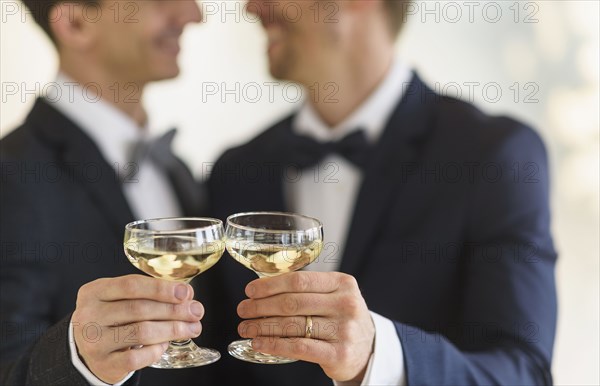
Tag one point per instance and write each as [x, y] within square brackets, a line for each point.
[177, 249]
[271, 244]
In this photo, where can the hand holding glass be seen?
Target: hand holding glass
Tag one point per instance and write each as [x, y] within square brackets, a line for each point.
[271, 244]
[177, 249]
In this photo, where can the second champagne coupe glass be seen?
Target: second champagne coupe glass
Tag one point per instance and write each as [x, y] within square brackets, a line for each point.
[271, 244]
[177, 249]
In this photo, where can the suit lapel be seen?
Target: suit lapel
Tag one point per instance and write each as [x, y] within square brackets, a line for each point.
[84, 163]
[269, 193]
[397, 149]
[190, 193]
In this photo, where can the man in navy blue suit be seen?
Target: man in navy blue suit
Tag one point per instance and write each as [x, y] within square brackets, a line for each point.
[439, 263]
[71, 180]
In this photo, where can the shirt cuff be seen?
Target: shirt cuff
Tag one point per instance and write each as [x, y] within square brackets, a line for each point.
[386, 365]
[82, 368]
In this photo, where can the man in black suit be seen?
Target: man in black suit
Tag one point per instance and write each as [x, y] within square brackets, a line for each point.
[446, 267]
[69, 186]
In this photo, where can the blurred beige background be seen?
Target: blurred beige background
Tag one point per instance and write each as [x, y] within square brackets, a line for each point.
[537, 61]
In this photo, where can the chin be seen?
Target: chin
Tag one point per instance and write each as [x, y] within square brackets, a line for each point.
[282, 72]
[278, 69]
[284, 66]
[167, 73]
[276, 73]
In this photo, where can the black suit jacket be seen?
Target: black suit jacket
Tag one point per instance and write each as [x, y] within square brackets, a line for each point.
[63, 217]
[449, 238]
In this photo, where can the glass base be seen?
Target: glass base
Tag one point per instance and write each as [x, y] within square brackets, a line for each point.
[184, 355]
[242, 349]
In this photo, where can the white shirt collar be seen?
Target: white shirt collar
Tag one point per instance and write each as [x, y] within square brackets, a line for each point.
[372, 115]
[112, 130]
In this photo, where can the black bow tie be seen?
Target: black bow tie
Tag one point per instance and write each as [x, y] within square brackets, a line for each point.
[158, 150]
[306, 152]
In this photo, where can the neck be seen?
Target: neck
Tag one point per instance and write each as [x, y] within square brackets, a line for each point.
[123, 94]
[351, 79]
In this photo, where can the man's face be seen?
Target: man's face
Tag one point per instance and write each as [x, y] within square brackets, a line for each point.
[302, 36]
[139, 40]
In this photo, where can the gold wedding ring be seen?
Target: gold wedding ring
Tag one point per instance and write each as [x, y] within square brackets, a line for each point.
[309, 327]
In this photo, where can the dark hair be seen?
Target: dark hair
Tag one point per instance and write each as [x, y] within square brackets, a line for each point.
[40, 9]
[396, 11]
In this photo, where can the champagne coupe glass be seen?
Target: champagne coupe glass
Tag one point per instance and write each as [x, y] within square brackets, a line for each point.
[271, 244]
[177, 249]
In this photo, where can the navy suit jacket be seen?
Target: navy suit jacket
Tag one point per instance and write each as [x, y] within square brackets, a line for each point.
[449, 238]
[63, 218]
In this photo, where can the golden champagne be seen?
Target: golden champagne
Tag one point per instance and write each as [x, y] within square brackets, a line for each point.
[147, 256]
[273, 260]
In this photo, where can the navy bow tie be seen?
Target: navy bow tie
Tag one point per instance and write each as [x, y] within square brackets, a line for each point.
[306, 152]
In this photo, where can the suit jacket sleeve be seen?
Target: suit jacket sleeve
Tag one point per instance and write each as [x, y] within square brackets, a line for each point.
[509, 302]
[46, 362]
[34, 348]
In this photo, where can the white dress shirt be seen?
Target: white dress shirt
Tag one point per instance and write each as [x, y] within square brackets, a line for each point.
[148, 192]
[328, 192]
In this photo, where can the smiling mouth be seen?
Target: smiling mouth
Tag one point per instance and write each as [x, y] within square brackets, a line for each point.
[169, 41]
[169, 45]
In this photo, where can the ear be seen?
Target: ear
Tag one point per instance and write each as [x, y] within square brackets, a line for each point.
[71, 27]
